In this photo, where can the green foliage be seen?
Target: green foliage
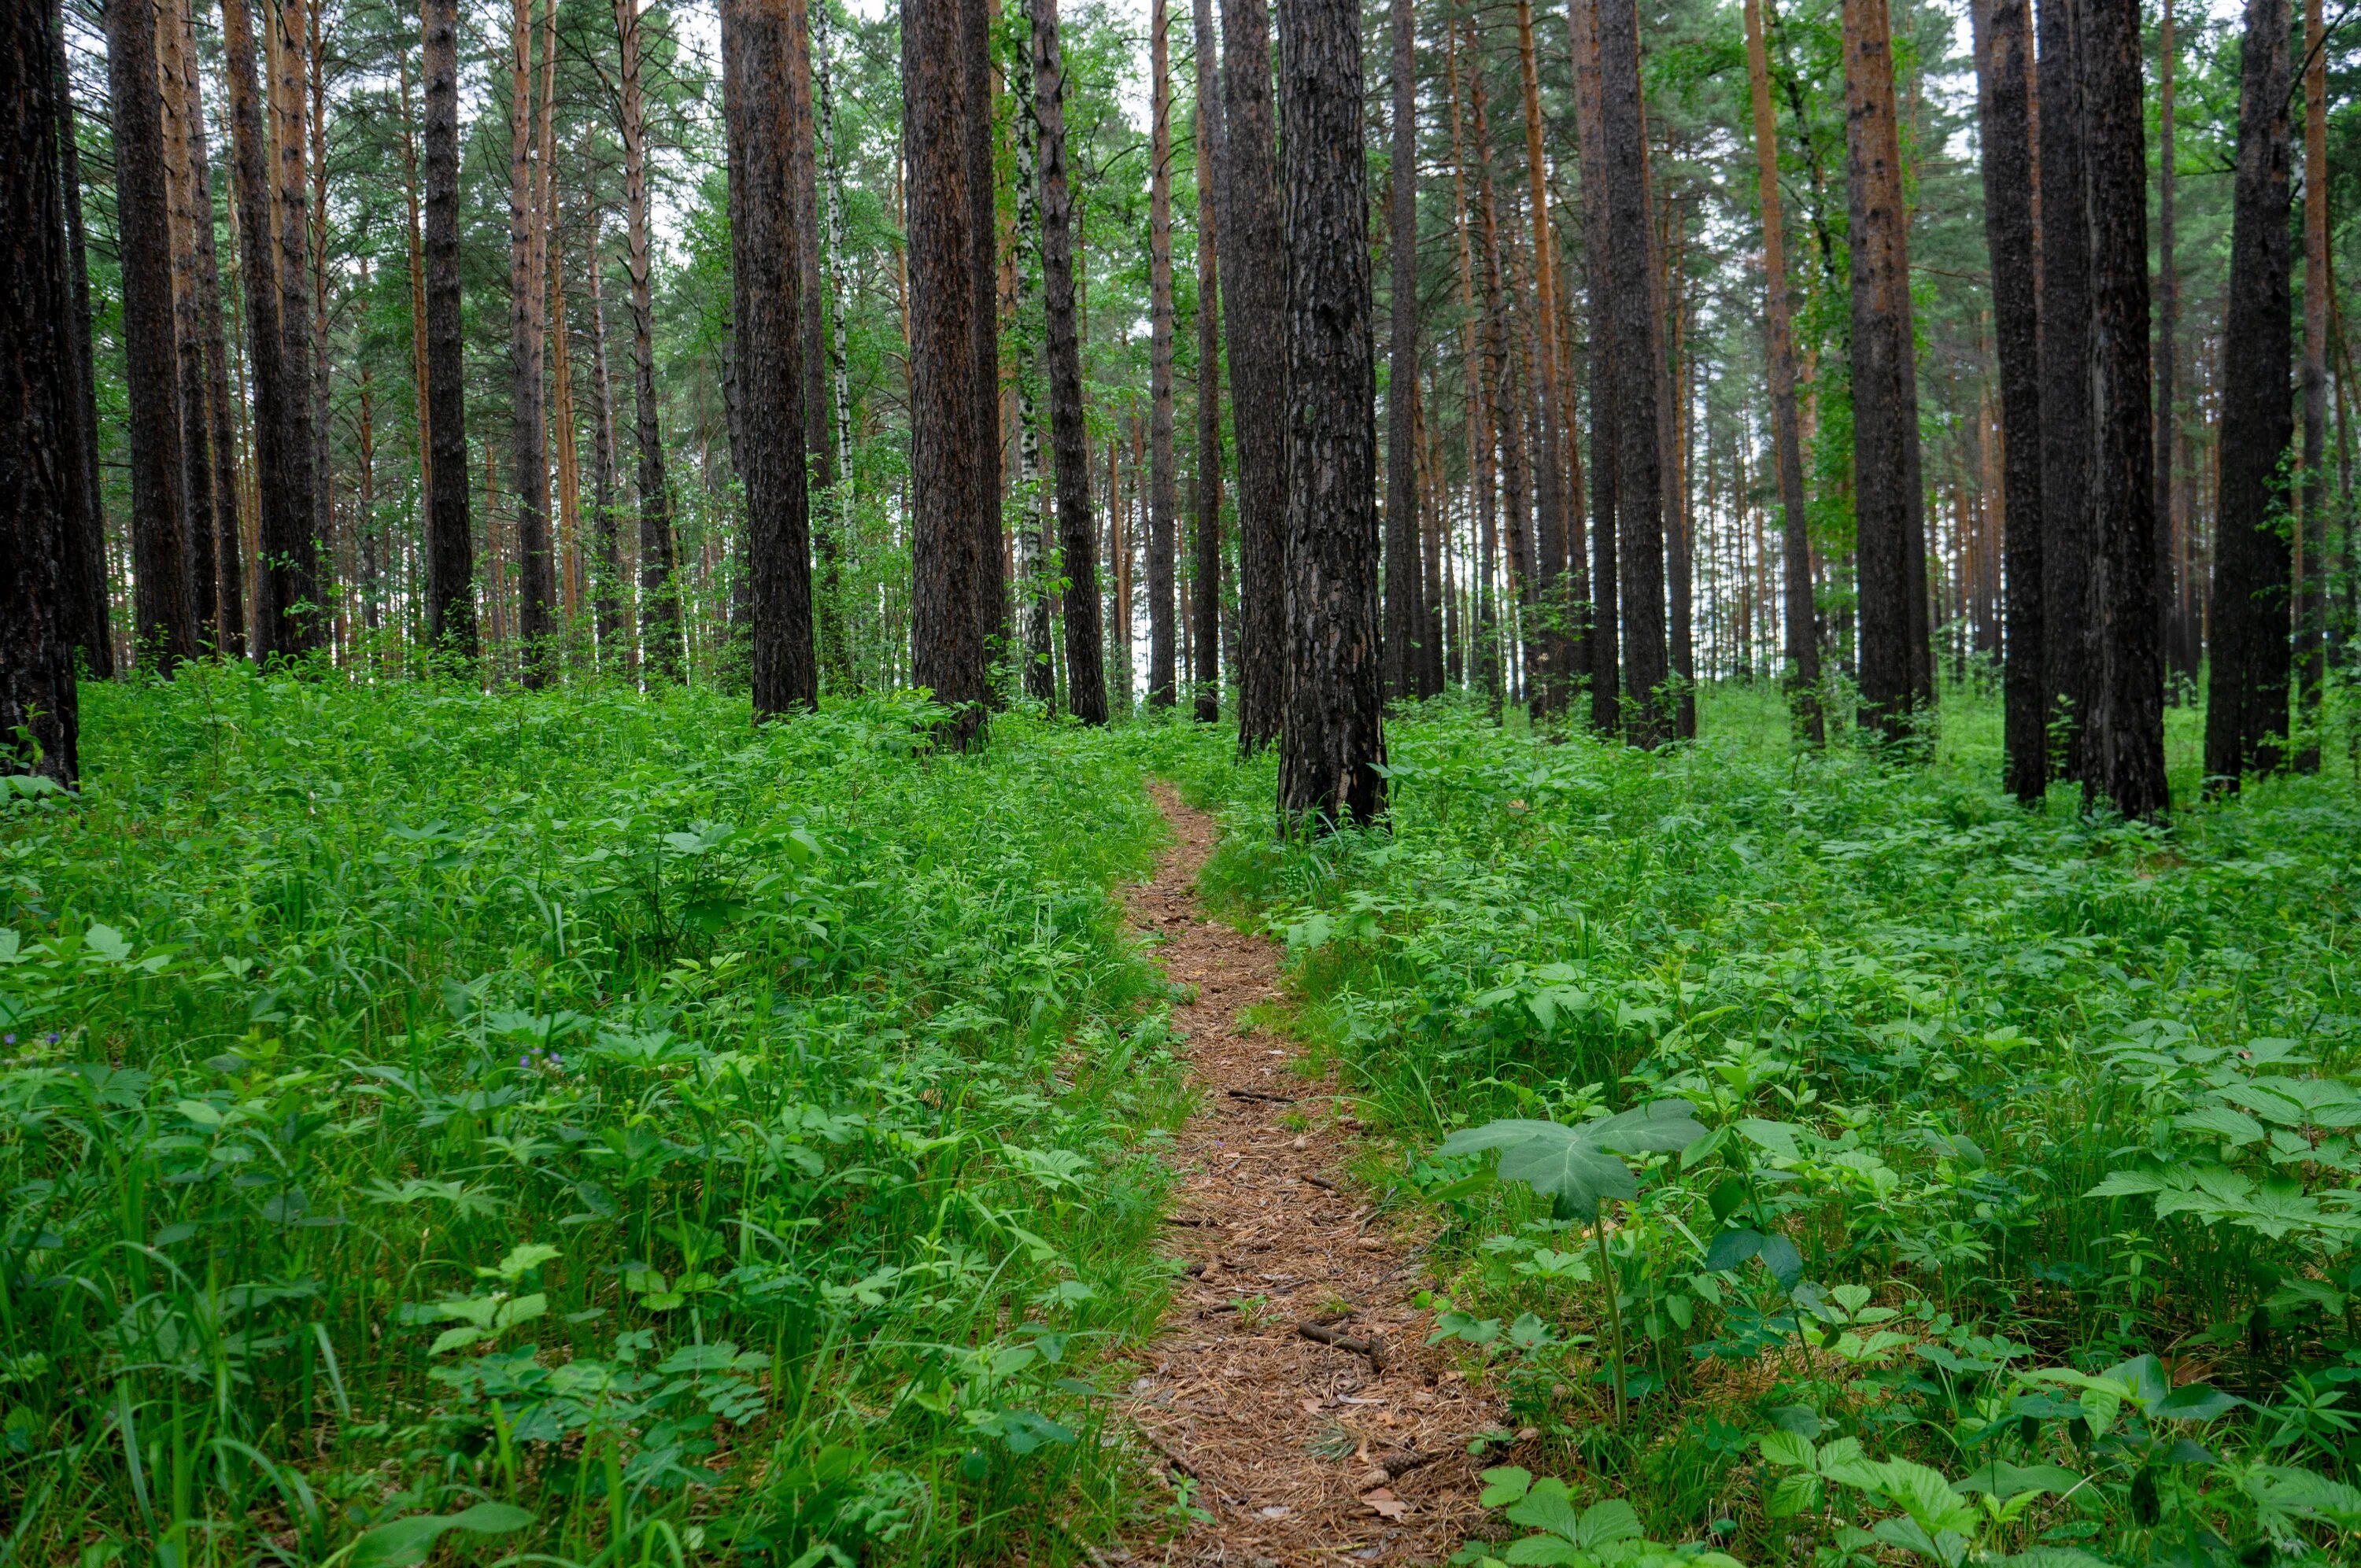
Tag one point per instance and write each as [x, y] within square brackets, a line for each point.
[581, 1117]
[2016, 1221]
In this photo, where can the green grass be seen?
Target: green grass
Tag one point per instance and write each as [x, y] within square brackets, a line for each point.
[1924, 1026]
[707, 1142]
[589, 1116]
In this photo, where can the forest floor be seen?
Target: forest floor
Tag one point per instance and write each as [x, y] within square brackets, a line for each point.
[1301, 1448]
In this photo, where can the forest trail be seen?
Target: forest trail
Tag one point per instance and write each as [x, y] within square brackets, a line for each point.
[1349, 1446]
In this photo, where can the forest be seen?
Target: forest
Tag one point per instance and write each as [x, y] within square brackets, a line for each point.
[809, 783]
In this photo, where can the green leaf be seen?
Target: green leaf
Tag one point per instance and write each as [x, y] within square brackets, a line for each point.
[1547, 1550]
[2236, 1127]
[1604, 1523]
[1578, 1166]
[1548, 1507]
[407, 1541]
[2000, 1480]
[1786, 1448]
[523, 1259]
[1504, 1485]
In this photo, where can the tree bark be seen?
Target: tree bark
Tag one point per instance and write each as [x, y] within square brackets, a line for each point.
[1503, 394]
[1803, 643]
[1639, 497]
[409, 190]
[1404, 617]
[1206, 606]
[949, 473]
[660, 619]
[835, 532]
[450, 552]
[766, 272]
[1251, 261]
[2311, 554]
[39, 719]
[179, 104]
[1888, 508]
[607, 586]
[83, 608]
[536, 580]
[1077, 535]
[164, 616]
[1331, 750]
[2168, 338]
[1162, 483]
[2002, 56]
[1551, 638]
[1582, 29]
[228, 623]
[301, 600]
[2247, 688]
[2127, 718]
[823, 526]
[989, 585]
[2068, 652]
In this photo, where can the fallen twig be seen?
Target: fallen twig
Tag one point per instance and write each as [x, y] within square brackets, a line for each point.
[1322, 1183]
[1373, 1347]
[1258, 1094]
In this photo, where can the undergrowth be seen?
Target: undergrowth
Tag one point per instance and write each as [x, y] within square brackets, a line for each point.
[2024, 1222]
[581, 1126]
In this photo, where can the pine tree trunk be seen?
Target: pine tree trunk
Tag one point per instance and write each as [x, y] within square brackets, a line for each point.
[1505, 397]
[39, 719]
[450, 556]
[1331, 749]
[2247, 688]
[1639, 498]
[1582, 27]
[1803, 646]
[834, 532]
[988, 548]
[2172, 582]
[1207, 604]
[1404, 616]
[2127, 718]
[83, 610]
[314, 84]
[564, 422]
[301, 601]
[2310, 554]
[822, 524]
[1086, 694]
[2003, 56]
[1162, 483]
[949, 630]
[164, 617]
[536, 581]
[228, 624]
[175, 39]
[2067, 650]
[767, 278]
[1887, 505]
[1669, 263]
[409, 187]
[1554, 615]
[606, 549]
[660, 619]
[1251, 262]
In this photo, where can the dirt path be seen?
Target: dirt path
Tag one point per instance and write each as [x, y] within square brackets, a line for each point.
[1353, 1450]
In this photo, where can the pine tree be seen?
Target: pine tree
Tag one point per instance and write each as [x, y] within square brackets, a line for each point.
[2066, 648]
[2246, 688]
[1252, 264]
[1895, 685]
[2127, 723]
[1332, 750]
[39, 719]
[1206, 606]
[1404, 617]
[2002, 56]
[949, 630]
[1086, 694]
[1163, 574]
[661, 648]
[767, 285]
[81, 560]
[164, 617]
[450, 625]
